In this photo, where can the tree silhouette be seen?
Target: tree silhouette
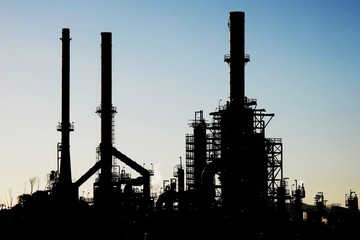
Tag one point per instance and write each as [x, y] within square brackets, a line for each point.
[32, 182]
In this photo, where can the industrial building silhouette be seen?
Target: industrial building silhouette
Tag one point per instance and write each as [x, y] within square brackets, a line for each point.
[232, 184]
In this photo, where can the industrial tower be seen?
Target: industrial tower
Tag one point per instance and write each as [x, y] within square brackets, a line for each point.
[230, 162]
[64, 187]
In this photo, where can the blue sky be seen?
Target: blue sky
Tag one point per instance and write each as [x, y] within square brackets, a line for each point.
[167, 64]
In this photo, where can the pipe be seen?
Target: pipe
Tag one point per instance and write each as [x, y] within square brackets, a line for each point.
[144, 172]
[88, 174]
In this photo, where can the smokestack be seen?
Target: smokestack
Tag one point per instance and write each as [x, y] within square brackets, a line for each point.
[107, 110]
[65, 127]
[237, 59]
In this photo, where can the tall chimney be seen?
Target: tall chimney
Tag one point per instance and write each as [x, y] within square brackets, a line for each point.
[65, 127]
[106, 111]
[237, 58]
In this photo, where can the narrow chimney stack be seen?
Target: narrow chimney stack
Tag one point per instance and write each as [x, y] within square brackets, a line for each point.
[65, 126]
[237, 58]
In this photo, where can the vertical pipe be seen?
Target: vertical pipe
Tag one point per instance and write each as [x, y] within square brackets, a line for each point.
[106, 110]
[65, 126]
[237, 58]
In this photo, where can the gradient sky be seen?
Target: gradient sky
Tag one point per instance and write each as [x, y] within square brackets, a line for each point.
[168, 63]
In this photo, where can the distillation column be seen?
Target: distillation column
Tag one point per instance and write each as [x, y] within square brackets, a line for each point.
[244, 178]
[235, 123]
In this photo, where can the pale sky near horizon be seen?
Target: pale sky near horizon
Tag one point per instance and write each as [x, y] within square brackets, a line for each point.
[168, 62]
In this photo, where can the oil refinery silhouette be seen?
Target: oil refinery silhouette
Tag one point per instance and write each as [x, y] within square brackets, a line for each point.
[231, 186]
